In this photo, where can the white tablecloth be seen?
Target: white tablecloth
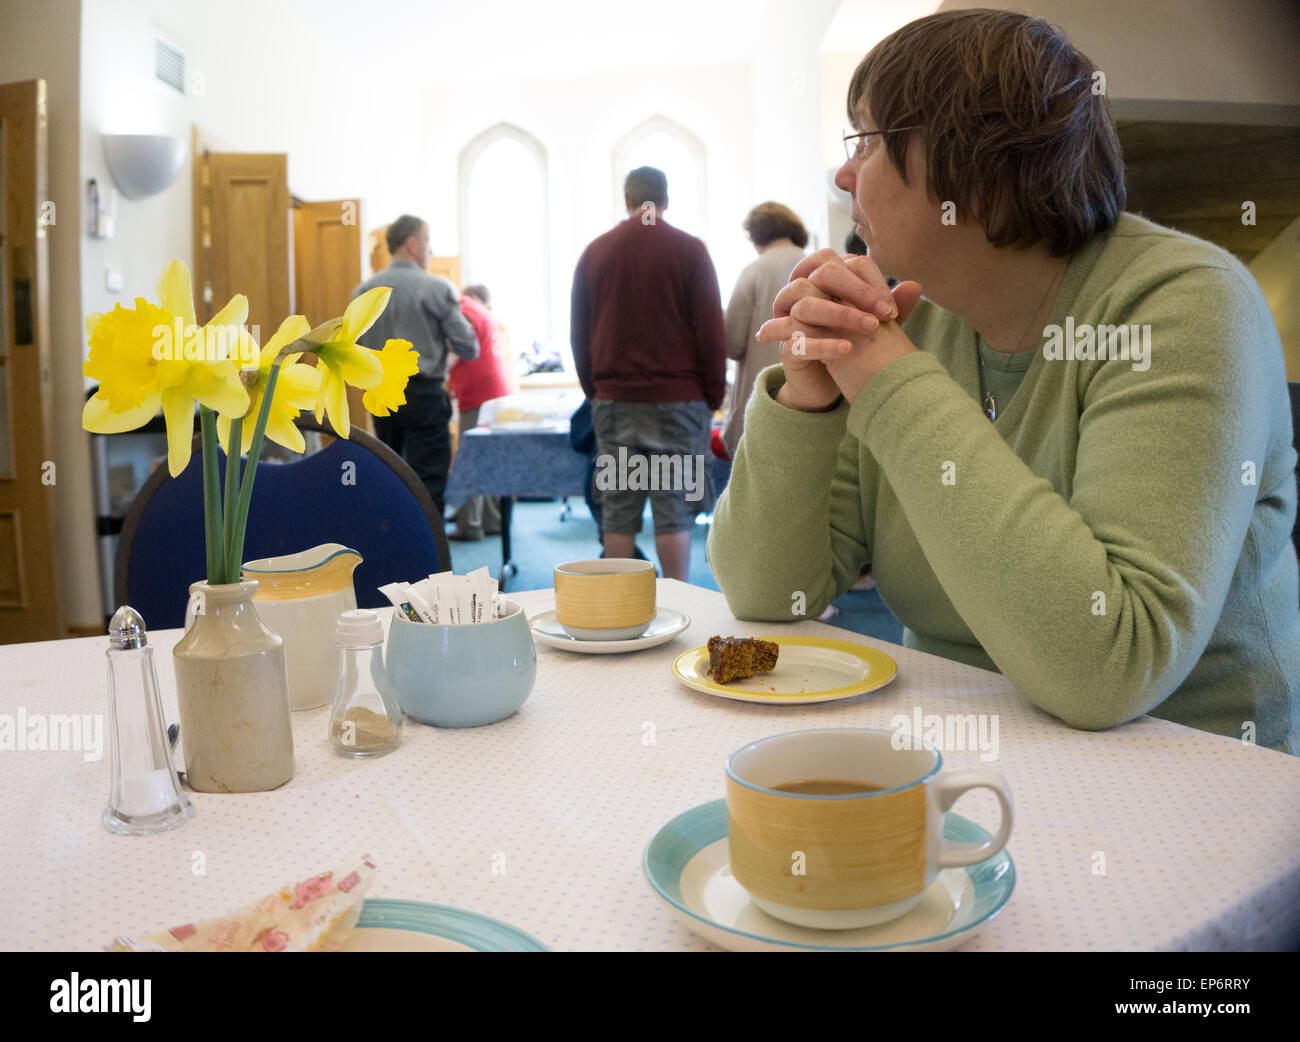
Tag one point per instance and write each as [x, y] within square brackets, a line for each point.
[541, 820]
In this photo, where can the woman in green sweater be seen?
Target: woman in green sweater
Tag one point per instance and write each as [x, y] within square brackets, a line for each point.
[1070, 461]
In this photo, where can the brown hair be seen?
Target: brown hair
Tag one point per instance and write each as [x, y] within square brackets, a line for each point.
[1014, 131]
[767, 222]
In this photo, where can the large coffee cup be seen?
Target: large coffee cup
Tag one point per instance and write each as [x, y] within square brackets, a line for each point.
[839, 829]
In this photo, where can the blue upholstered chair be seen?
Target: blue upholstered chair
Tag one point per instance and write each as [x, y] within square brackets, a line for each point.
[1295, 425]
[377, 506]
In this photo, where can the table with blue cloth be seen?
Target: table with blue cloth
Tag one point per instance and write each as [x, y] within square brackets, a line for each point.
[528, 461]
[525, 461]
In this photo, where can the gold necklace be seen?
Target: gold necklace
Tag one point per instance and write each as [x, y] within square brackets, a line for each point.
[990, 404]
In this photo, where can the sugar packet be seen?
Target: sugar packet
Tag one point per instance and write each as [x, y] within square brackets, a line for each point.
[448, 599]
[409, 602]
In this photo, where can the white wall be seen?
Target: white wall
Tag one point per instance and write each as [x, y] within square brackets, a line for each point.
[255, 92]
[120, 95]
[580, 137]
[40, 41]
[787, 111]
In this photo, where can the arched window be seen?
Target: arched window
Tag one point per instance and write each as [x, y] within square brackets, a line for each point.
[505, 230]
[659, 142]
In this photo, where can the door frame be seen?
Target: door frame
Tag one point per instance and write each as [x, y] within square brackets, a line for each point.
[32, 610]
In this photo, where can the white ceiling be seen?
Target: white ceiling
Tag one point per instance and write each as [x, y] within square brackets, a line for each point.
[1226, 50]
[474, 40]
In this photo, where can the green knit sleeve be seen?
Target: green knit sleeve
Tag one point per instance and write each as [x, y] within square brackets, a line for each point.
[789, 531]
[1095, 599]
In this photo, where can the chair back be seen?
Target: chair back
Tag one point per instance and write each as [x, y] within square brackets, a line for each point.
[1294, 389]
[356, 492]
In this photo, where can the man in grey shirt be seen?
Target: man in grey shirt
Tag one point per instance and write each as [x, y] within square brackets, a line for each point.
[426, 311]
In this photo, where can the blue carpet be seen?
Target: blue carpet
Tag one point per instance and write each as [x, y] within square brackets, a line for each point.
[540, 540]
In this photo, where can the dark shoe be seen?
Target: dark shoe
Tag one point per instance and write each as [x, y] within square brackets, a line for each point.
[460, 536]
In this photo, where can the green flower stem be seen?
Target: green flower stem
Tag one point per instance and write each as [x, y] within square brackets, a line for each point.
[235, 550]
[235, 440]
[211, 496]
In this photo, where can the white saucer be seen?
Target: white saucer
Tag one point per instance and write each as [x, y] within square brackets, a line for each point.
[666, 624]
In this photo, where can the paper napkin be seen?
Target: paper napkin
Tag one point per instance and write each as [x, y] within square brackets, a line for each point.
[314, 915]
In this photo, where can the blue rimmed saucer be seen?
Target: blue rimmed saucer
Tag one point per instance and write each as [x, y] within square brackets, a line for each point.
[686, 864]
[411, 926]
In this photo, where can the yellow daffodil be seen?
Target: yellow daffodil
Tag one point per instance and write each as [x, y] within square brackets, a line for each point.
[400, 362]
[296, 388]
[153, 356]
[343, 362]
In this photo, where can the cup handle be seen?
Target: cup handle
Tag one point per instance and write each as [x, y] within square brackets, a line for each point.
[952, 786]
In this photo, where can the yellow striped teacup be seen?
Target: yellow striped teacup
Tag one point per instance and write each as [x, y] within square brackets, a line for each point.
[838, 862]
[612, 598]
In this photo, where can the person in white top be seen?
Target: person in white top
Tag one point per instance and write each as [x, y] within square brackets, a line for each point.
[779, 237]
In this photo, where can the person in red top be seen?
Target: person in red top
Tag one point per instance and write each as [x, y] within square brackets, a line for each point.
[651, 353]
[473, 384]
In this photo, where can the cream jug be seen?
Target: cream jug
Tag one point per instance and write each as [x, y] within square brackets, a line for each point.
[300, 597]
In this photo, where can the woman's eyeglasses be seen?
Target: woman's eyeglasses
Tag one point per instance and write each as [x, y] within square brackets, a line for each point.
[855, 145]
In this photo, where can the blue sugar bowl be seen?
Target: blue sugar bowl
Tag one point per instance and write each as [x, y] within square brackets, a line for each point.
[461, 676]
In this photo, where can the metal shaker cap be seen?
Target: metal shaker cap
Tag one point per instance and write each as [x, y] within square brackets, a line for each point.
[126, 630]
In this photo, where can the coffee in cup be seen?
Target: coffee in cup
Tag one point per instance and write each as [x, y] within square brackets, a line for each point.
[838, 829]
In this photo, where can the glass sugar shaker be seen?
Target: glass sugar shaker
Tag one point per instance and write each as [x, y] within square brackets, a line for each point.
[146, 794]
[366, 719]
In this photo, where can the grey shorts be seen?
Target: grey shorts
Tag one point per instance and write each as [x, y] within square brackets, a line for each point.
[655, 449]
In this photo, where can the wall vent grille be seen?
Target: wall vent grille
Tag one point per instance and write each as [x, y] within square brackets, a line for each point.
[169, 64]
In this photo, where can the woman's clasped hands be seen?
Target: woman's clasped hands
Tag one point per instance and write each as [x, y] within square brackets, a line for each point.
[839, 324]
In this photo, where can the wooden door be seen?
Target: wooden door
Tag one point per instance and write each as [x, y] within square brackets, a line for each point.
[449, 268]
[242, 242]
[326, 257]
[29, 590]
[326, 269]
[379, 255]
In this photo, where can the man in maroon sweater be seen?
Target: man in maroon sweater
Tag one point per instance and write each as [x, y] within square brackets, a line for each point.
[651, 350]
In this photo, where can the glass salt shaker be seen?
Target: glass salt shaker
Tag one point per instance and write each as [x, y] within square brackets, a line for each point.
[366, 719]
[146, 794]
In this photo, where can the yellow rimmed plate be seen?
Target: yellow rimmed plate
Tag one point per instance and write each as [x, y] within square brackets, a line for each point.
[808, 669]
